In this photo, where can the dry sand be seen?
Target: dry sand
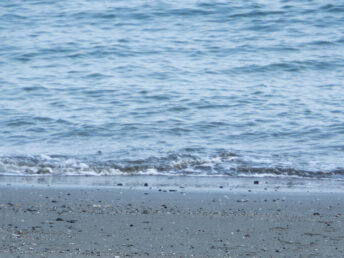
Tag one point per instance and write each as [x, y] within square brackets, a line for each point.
[44, 220]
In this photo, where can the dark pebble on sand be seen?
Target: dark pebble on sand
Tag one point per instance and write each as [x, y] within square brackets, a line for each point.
[221, 186]
[256, 182]
[31, 209]
[120, 184]
[59, 219]
[71, 221]
[146, 184]
[316, 214]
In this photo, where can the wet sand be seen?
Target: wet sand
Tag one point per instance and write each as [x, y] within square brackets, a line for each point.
[117, 221]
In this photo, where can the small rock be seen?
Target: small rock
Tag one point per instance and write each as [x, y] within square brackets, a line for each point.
[256, 182]
[316, 214]
[32, 209]
[59, 219]
[146, 184]
[71, 221]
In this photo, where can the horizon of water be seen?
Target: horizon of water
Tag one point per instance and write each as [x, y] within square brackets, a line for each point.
[172, 88]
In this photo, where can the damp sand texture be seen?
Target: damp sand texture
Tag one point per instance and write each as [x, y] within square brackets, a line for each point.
[90, 221]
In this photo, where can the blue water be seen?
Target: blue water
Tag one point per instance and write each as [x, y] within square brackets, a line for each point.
[95, 87]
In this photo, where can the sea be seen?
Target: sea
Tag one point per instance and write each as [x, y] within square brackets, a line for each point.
[177, 88]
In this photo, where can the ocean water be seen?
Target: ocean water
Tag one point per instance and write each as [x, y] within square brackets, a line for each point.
[225, 88]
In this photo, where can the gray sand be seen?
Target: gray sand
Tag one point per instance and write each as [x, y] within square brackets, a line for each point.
[45, 221]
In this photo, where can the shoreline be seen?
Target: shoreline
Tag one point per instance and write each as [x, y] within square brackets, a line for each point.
[191, 183]
[174, 220]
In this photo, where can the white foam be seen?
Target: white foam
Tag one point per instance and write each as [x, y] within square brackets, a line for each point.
[45, 165]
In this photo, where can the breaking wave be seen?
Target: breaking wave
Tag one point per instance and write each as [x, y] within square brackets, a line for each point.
[221, 164]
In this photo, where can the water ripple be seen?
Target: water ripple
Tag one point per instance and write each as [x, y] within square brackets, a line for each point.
[162, 86]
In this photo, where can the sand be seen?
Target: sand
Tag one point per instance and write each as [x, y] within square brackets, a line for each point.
[173, 220]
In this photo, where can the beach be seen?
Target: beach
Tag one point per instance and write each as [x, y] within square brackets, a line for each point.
[171, 128]
[154, 220]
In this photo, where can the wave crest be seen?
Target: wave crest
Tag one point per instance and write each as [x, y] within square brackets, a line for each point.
[222, 164]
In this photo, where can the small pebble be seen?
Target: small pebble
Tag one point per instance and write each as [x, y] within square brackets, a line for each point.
[71, 221]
